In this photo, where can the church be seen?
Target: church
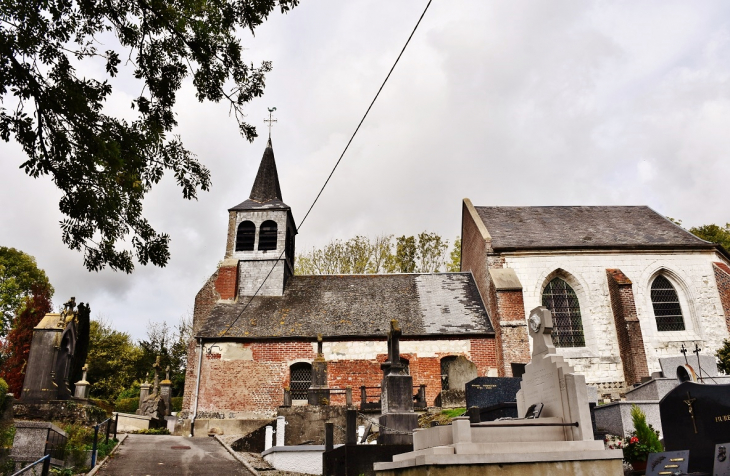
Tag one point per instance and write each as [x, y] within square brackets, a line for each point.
[626, 286]
[256, 324]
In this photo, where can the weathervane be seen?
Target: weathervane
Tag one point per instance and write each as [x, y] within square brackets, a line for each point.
[270, 121]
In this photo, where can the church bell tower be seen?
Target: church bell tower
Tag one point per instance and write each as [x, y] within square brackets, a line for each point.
[261, 233]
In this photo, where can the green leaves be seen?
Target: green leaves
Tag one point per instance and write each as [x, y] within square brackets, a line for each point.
[105, 165]
[20, 277]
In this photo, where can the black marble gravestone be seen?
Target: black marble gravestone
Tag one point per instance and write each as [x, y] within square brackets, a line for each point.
[721, 460]
[696, 417]
[484, 392]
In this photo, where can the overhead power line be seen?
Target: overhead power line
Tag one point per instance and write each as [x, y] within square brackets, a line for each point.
[336, 164]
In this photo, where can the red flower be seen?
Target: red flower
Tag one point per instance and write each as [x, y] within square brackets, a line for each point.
[633, 440]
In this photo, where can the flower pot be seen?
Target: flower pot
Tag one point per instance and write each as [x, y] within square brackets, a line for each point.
[638, 465]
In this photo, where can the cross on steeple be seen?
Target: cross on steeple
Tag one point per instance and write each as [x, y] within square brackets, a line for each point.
[270, 121]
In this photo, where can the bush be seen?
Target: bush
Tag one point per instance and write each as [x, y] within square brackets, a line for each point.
[176, 404]
[126, 405]
[3, 394]
[643, 440]
[131, 392]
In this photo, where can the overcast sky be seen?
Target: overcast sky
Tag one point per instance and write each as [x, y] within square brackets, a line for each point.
[506, 103]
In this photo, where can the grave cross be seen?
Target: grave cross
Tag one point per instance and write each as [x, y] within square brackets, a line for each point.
[319, 345]
[689, 403]
[684, 352]
[270, 121]
[394, 343]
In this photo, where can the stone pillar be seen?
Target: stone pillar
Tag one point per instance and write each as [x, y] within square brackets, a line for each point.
[166, 394]
[351, 427]
[287, 397]
[398, 419]
[268, 437]
[348, 396]
[144, 392]
[280, 430]
[319, 393]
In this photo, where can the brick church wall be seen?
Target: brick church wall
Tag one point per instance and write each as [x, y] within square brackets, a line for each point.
[722, 278]
[246, 380]
[628, 328]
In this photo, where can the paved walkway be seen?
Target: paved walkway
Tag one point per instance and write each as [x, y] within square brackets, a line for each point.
[153, 455]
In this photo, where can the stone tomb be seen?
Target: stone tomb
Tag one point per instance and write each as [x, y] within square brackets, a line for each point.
[559, 441]
[696, 417]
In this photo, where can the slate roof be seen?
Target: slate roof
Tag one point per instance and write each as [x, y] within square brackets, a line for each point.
[266, 192]
[358, 306]
[634, 227]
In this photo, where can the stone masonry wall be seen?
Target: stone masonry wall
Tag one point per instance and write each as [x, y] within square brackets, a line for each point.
[722, 279]
[513, 330]
[246, 380]
[691, 272]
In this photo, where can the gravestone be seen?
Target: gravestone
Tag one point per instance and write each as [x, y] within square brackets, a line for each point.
[153, 405]
[550, 380]
[459, 372]
[319, 393]
[81, 390]
[669, 462]
[696, 417]
[721, 460]
[51, 357]
[708, 362]
[166, 392]
[484, 392]
[398, 419]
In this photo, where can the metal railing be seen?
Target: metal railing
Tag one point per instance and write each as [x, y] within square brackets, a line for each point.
[44, 469]
[106, 440]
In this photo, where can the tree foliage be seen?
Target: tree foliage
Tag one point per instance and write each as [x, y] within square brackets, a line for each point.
[16, 347]
[723, 356]
[423, 253]
[454, 264]
[117, 364]
[713, 234]
[20, 278]
[105, 165]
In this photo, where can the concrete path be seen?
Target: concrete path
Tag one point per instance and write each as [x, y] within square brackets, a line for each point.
[153, 455]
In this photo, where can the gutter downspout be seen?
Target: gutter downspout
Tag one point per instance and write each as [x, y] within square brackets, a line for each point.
[197, 387]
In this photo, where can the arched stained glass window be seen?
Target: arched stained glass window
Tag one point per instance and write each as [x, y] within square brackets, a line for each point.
[560, 298]
[300, 379]
[267, 236]
[667, 311]
[245, 236]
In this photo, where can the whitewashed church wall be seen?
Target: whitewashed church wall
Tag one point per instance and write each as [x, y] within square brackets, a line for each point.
[252, 273]
[257, 217]
[691, 273]
[369, 350]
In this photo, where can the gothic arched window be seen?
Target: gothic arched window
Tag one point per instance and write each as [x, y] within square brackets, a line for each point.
[267, 236]
[560, 298]
[667, 311]
[300, 379]
[245, 236]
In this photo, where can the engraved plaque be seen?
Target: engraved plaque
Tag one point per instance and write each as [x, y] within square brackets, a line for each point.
[669, 462]
[721, 460]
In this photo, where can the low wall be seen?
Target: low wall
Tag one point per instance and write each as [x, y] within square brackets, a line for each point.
[65, 411]
[305, 459]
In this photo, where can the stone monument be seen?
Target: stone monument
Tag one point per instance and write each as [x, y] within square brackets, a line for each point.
[153, 405]
[81, 390]
[549, 379]
[557, 441]
[319, 393]
[51, 357]
[398, 419]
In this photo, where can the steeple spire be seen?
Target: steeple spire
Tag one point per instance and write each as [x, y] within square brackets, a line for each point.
[266, 186]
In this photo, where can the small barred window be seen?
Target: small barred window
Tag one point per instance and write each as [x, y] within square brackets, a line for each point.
[560, 298]
[267, 236]
[245, 236]
[300, 379]
[667, 311]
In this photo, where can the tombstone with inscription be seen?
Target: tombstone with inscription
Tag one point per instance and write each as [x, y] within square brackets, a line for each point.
[492, 398]
[696, 417]
[398, 419]
[555, 437]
